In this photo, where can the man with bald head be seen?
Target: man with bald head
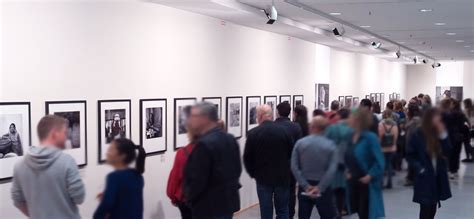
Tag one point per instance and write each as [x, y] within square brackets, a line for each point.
[266, 155]
[314, 163]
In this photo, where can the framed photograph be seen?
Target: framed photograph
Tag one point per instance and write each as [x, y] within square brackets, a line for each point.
[298, 100]
[180, 119]
[76, 113]
[251, 119]
[348, 102]
[322, 96]
[15, 135]
[285, 98]
[341, 100]
[153, 125]
[114, 122]
[458, 94]
[217, 101]
[355, 101]
[390, 97]
[382, 100]
[272, 101]
[373, 97]
[234, 116]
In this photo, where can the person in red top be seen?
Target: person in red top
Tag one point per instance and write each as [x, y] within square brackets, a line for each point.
[332, 115]
[175, 180]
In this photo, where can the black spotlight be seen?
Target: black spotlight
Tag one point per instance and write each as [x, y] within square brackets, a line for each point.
[436, 65]
[337, 32]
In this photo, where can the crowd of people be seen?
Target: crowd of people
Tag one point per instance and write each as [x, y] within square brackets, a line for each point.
[338, 161]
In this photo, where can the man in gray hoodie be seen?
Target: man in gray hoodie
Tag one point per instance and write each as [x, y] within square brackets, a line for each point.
[46, 183]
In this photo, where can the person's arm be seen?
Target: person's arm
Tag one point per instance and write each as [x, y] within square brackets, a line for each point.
[197, 172]
[445, 146]
[175, 179]
[395, 135]
[108, 199]
[412, 154]
[381, 131]
[249, 156]
[296, 168]
[17, 195]
[75, 186]
[330, 171]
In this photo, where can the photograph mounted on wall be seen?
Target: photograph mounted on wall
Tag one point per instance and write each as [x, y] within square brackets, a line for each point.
[75, 112]
[15, 135]
[355, 101]
[285, 98]
[252, 103]
[446, 91]
[153, 125]
[234, 116]
[217, 101]
[181, 113]
[114, 122]
[272, 101]
[348, 102]
[341, 100]
[298, 100]
[322, 96]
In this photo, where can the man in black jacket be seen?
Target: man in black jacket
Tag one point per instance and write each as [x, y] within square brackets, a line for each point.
[211, 175]
[295, 132]
[266, 156]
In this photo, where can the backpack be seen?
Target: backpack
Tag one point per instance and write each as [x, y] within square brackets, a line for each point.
[388, 139]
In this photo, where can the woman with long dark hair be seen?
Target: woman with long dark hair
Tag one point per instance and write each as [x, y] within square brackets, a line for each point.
[301, 117]
[469, 112]
[427, 153]
[123, 194]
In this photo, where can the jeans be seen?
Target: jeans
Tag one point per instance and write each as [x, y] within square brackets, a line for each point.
[324, 204]
[427, 211]
[389, 166]
[270, 196]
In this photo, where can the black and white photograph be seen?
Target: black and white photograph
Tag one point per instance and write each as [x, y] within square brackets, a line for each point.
[15, 135]
[181, 114]
[217, 101]
[285, 98]
[348, 102]
[390, 97]
[234, 116]
[355, 102]
[322, 96]
[114, 122]
[153, 125]
[298, 100]
[341, 100]
[252, 103]
[373, 97]
[272, 101]
[449, 92]
[75, 112]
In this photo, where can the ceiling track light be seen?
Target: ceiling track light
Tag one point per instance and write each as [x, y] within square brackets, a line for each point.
[273, 15]
[376, 45]
[436, 65]
[425, 61]
[415, 60]
[398, 53]
[338, 31]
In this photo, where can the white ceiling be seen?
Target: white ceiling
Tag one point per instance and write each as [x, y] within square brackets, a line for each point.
[398, 21]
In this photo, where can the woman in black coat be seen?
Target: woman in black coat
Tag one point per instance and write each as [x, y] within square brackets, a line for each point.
[427, 153]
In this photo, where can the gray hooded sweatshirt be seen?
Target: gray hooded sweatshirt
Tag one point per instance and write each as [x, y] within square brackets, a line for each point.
[48, 182]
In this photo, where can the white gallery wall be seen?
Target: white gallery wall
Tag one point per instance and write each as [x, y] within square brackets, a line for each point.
[89, 50]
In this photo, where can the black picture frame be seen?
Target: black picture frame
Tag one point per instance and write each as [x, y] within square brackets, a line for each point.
[47, 109]
[247, 126]
[346, 98]
[298, 96]
[265, 101]
[341, 100]
[99, 118]
[165, 122]
[215, 98]
[240, 98]
[175, 126]
[283, 96]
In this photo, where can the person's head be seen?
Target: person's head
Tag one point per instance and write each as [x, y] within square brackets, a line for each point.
[420, 96]
[446, 104]
[398, 106]
[264, 113]
[203, 116]
[300, 112]
[53, 131]
[447, 93]
[116, 117]
[284, 109]
[387, 114]
[318, 125]
[335, 105]
[122, 152]
[318, 112]
[376, 108]
[430, 121]
[413, 110]
[404, 103]
[343, 114]
[456, 105]
[221, 125]
[365, 104]
[426, 100]
[389, 105]
[360, 119]
[468, 104]
[12, 128]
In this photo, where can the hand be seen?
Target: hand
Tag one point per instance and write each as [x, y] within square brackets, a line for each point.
[366, 179]
[99, 196]
[348, 176]
[313, 191]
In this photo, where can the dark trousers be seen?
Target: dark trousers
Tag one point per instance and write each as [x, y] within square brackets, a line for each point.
[270, 196]
[427, 211]
[292, 200]
[223, 217]
[340, 196]
[359, 198]
[467, 146]
[455, 157]
[389, 166]
[185, 211]
[324, 204]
